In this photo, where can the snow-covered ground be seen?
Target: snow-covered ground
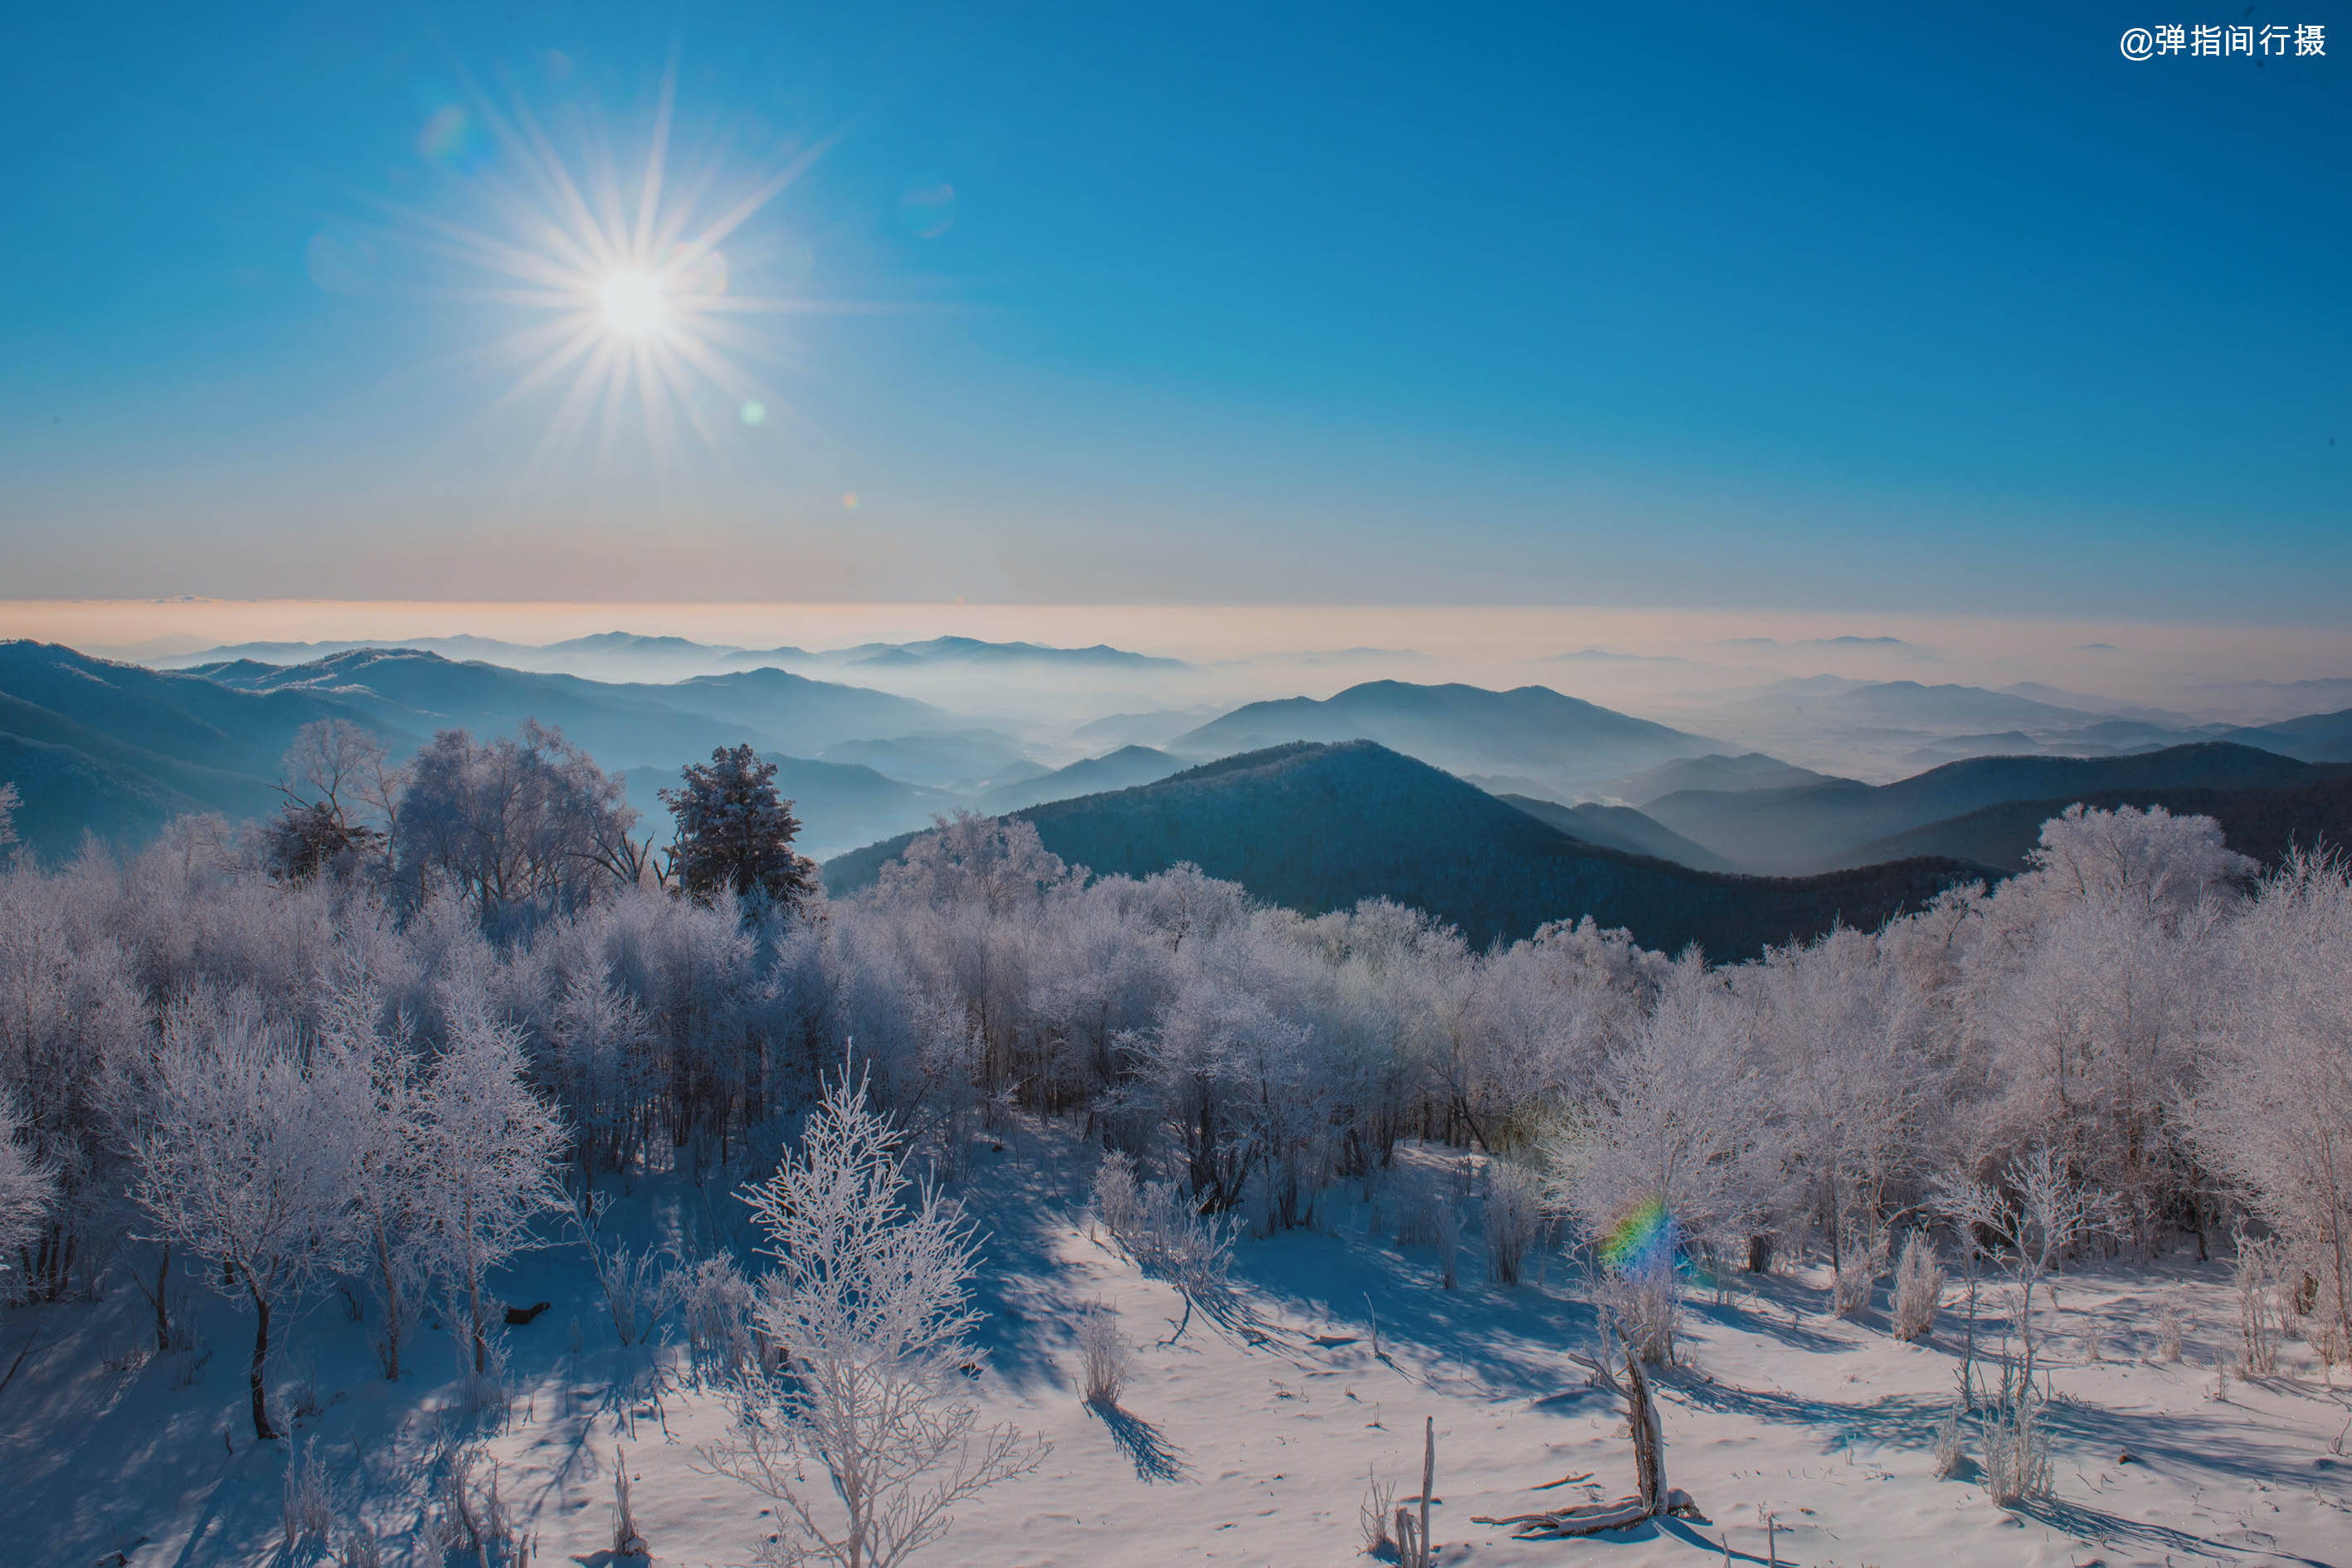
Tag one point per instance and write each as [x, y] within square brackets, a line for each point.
[1247, 1438]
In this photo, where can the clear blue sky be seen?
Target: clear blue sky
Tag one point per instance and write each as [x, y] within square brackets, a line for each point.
[1946, 307]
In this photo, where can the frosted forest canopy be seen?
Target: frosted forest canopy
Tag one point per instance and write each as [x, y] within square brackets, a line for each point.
[515, 993]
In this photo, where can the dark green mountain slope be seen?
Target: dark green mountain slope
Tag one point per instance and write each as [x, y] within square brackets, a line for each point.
[2263, 822]
[1620, 827]
[1319, 828]
[1814, 828]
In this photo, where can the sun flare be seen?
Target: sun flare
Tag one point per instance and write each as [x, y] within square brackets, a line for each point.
[632, 303]
[628, 279]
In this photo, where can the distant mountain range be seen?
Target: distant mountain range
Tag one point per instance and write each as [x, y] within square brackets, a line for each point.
[119, 749]
[1321, 826]
[610, 653]
[1751, 770]
[622, 724]
[1839, 823]
[1531, 733]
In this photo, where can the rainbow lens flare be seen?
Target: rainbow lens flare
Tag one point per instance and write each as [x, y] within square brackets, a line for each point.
[1640, 1241]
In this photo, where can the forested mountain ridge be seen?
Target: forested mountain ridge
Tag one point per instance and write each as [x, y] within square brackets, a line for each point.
[1318, 827]
[1817, 827]
[1620, 827]
[2266, 824]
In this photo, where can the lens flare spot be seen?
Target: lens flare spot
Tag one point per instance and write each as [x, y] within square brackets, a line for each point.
[444, 136]
[849, 501]
[754, 413]
[1642, 1240]
[632, 303]
[697, 274]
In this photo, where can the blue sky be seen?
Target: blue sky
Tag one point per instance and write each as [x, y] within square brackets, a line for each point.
[1902, 308]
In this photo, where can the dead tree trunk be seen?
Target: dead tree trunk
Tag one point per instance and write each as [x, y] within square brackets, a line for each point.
[1412, 1540]
[1649, 1444]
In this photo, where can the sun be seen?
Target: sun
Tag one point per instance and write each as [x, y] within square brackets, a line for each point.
[625, 277]
[632, 303]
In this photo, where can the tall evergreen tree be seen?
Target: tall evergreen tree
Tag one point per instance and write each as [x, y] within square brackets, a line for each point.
[735, 831]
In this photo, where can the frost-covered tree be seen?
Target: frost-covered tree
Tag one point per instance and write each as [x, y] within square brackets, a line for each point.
[488, 1149]
[869, 1298]
[1671, 1118]
[1851, 1080]
[521, 828]
[2273, 1113]
[9, 801]
[247, 1157]
[735, 832]
[26, 1189]
[388, 1151]
[336, 787]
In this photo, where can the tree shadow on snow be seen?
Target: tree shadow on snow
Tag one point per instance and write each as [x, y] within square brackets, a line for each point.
[1155, 1458]
[2096, 1525]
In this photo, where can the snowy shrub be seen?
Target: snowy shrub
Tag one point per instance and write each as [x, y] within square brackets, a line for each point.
[1947, 1443]
[1162, 1232]
[871, 1293]
[628, 1541]
[1918, 1288]
[1855, 1274]
[297, 1396]
[714, 1301]
[308, 1516]
[1104, 1358]
[1116, 1194]
[639, 1288]
[468, 1515]
[1644, 1304]
[1514, 1217]
[2017, 1467]
[2171, 1329]
[359, 1548]
[1416, 1216]
[1372, 1514]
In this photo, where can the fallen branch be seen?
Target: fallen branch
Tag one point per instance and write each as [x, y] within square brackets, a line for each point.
[1563, 1481]
[1591, 1518]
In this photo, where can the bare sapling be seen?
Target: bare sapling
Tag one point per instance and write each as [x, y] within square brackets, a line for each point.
[2261, 1314]
[1413, 1549]
[2039, 1212]
[871, 1293]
